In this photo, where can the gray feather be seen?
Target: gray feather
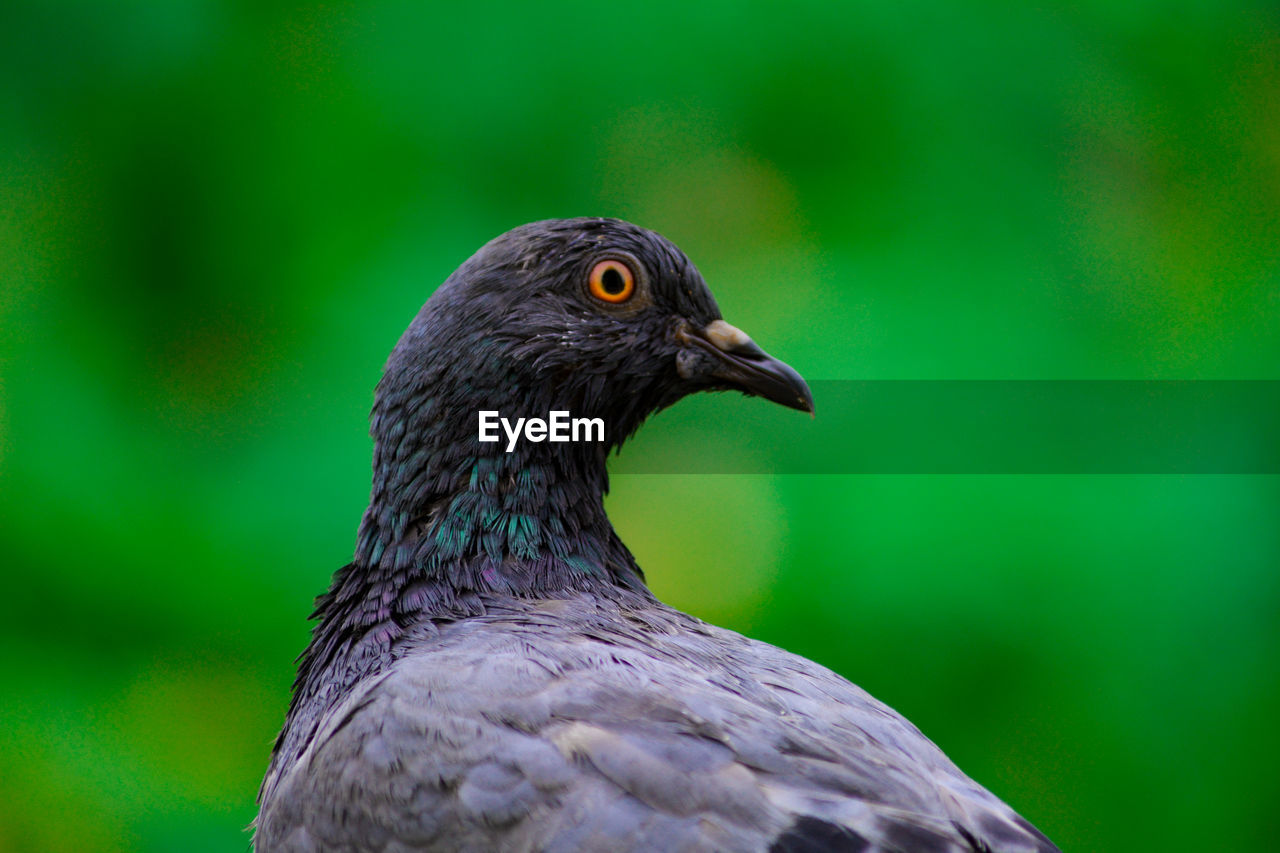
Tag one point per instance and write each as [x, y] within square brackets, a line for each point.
[590, 724]
[490, 671]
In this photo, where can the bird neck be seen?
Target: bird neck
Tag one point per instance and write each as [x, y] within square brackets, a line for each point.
[456, 526]
[459, 518]
[451, 540]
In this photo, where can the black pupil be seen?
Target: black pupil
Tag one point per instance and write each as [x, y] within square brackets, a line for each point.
[612, 281]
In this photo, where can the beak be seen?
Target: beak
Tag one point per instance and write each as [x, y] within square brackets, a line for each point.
[736, 362]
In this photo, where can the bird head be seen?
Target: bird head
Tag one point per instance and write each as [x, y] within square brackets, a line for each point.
[594, 317]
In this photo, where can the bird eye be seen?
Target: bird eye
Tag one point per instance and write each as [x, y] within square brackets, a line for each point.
[612, 281]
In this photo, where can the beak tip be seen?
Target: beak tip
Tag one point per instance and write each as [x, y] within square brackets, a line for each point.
[794, 392]
[806, 403]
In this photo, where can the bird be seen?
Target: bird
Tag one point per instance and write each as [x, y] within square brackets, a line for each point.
[491, 672]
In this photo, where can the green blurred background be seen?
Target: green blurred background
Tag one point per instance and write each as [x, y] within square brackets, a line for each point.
[216, 218]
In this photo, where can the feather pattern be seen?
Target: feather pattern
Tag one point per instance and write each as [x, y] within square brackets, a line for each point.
[490, 671]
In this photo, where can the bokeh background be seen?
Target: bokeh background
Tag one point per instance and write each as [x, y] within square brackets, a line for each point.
[217, 217]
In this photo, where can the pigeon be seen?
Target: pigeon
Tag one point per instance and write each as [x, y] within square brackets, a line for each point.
[490, 671]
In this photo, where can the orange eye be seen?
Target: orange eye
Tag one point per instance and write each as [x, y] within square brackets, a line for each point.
[612, 281]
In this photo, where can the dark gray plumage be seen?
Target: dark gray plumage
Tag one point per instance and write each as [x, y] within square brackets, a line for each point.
[491, 673]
